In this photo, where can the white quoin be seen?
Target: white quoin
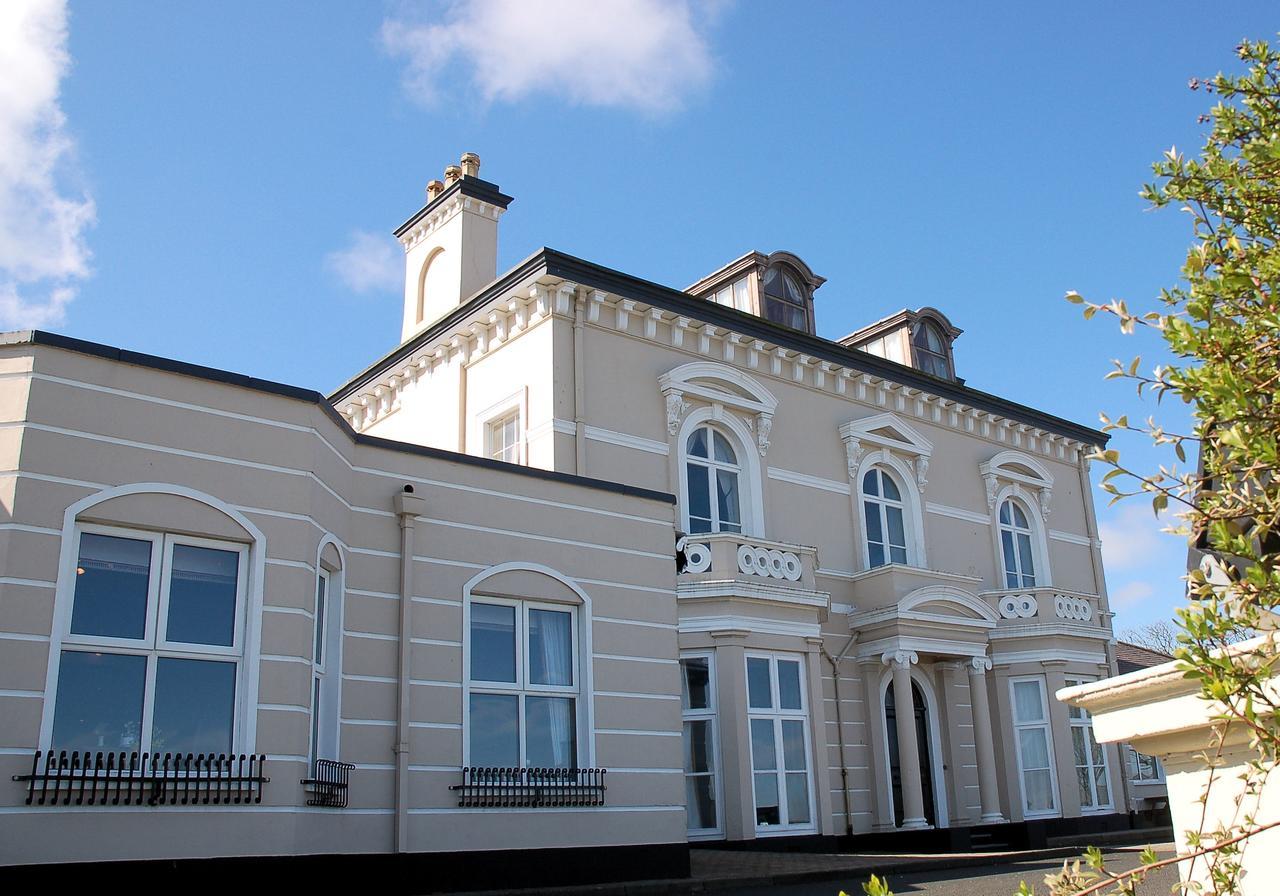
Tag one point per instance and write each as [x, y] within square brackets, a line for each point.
[450, 250]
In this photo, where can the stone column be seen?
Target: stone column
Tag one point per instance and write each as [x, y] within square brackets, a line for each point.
[735, 745]
[899, 663]
[988, 791]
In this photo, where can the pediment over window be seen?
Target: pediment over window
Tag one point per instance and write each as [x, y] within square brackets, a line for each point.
[946, 602]
[892, 433]
[720, 387]
[1022, 471]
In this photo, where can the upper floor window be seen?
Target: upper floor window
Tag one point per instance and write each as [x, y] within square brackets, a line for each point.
[883, 513]
[151, 657]
[930, 350]
[522, 684]
[785, 300]
[712, 472]
[1015, 546]
[502, 438]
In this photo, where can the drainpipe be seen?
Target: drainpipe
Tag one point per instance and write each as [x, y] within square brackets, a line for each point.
[579, 391]
[408, 508]
[844, 769]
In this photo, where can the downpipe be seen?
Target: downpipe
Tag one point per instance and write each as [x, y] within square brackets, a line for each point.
[408, 507]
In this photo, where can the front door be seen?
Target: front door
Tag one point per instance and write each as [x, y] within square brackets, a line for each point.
[922, 746]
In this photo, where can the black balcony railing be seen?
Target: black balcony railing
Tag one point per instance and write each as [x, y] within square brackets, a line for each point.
[132, 779]
[328, 786]
[500, 788]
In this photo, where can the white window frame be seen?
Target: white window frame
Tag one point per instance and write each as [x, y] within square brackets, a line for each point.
[913, 505]
[1080, 718]
[882, 505]
[153, 645]
[521, 687]
[1135, 769]
[325, 671]
[483, 424]
[777, 715]
[1047, 724]
[712, 716]
[713, 466]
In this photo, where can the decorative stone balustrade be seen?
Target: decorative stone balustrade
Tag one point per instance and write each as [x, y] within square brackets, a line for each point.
[1045, 605]
[724, 558]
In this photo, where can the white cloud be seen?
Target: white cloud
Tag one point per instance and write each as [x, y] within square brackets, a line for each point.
[369, 263]
[641, 54]
[1132, 537]
[1130, 594]
[43, 253]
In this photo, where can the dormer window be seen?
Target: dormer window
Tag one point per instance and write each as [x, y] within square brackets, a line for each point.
[930, 350]
[785, 301]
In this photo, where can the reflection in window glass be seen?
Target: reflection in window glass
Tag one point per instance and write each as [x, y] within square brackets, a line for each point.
[99, 703]
[697, 705]
[202, 596]
[789, 685]
[112, 579]
[493, 642]
[495, 726]
[551, 736]
[759, 695]
[550, 647]
[194, 706]
[696, 681]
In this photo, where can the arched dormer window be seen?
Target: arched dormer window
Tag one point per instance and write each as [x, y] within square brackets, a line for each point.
[713, 499]
[1016, 550]
[785, 299]
[883, 514]
[931, 350]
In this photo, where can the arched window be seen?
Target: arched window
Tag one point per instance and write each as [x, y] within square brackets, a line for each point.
[931, 350]
[883, 513]
[786, 301]
[712, 470]
[1015, 546]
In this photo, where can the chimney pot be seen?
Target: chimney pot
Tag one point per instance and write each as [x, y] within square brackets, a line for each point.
[434, 189]
[451, 175]
[470, 163]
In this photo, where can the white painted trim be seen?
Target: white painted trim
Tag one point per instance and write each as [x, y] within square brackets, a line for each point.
[626, 440]
[913, 523]
[750, 480]
[1031, 507]
[750, 624]
[1040, 656]
[741, 590]
[827, 485]
[1070, 537]
[958, 513]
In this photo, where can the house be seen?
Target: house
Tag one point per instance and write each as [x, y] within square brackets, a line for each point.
[583, 570]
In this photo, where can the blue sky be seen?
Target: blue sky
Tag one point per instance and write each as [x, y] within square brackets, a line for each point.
[218, 182]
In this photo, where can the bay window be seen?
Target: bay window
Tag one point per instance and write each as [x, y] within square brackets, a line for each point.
[778, 717]
[1034, 747]
[1090, 759]
[150, 660]
[522, 684]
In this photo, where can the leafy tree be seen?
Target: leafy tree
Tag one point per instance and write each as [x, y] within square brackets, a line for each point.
[1221, 323]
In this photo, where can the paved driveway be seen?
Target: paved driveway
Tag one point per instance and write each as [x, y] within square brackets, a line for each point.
[993, 880]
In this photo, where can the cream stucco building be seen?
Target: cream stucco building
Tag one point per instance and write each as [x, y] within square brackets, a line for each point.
[574, 520]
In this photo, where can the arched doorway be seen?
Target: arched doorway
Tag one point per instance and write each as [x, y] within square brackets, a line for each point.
[923, 746]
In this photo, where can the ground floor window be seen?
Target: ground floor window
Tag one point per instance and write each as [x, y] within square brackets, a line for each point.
[778, 717]
[1090, 759]
[701, 769]
[1144, 768]
[1034, 746]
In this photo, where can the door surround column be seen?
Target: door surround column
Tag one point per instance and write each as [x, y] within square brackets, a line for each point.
[900, 663]
[988, 791]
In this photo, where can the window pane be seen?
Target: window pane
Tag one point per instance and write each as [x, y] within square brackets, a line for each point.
[789, 684]
[1100, 785]
[1078, 746]
[767, 809]
[1027, 706]
[551, 738]
[1035, 748]
[321, 585]
[202, 596]
[1039, 791]
[876, 555]
[699, 498]
[697, 746]
[871, 511]
[700, 799]
[1010, 560]
[494, 728]
[723, 450]
[898, 555]
[99, 703]
[1025, 555]
[727, 496]
[550, 647]
[890, 488]
[111, 587]
[194, 706]
[793, 755]
[740, 296]
[871, 483]
[1019, 518]
[897, 532]
[759, 695]
[696, 693]
[1004, 513]
[697, 443]
[797, 798]
[493, 642]
[315, 719]
[764, 754]
[1082, 786]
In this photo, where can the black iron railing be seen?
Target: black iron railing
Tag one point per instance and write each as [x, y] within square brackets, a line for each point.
[498, 788]
[132, 779]
[328, 784]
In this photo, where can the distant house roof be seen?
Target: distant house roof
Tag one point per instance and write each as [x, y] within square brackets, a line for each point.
[1131, 657]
